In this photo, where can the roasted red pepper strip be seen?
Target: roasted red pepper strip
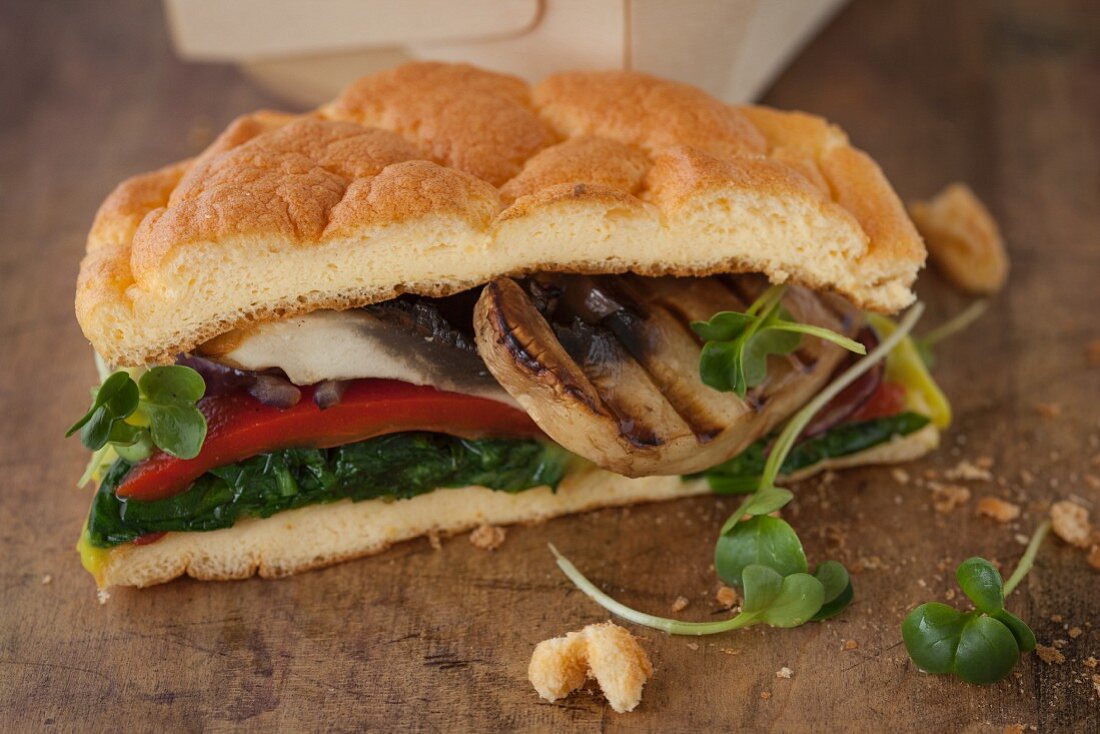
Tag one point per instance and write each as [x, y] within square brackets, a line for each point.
[240, 427]
[888, 399]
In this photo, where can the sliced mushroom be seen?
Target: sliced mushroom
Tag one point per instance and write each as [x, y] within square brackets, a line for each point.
[417, 340]
[609, 367]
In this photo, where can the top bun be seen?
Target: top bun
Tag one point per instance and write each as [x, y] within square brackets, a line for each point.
[433, 178]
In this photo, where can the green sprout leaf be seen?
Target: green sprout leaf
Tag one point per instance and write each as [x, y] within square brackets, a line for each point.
[178, 430]
[986, 652]
[982, 583]
[1025, 638]
[164, 399]
[982, 646]
[177, 426]
[738, 345]
[762, 541]
[838, 589]
[724, 326]
[172, 385]
[114, 401]
[778, 600]
[762, 502]
[931, 633]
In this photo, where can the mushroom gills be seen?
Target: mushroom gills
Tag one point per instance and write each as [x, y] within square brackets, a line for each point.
[608, 366]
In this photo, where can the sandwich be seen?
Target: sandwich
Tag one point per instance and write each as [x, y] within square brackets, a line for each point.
[449, 299]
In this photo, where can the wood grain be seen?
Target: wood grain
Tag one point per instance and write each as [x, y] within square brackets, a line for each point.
[1004, 95]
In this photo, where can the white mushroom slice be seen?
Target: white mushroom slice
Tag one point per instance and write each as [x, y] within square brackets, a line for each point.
[390, 341]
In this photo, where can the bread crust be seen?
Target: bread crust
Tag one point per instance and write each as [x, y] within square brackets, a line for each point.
[433, 178]
[321, 535]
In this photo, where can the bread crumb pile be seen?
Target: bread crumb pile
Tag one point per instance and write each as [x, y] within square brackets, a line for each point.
[606, 652]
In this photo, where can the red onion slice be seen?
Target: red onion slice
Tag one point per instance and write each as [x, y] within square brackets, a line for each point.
[276, 392]
[852, 398]
[329, 393]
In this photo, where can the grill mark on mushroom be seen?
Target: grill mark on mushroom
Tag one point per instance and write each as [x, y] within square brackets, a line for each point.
[608, 366]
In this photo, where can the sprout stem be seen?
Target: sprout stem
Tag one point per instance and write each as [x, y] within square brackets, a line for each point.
[671, 626]
[794, 427]
[767, 300]
[955, 324]
[1028, 558]
[821, 333]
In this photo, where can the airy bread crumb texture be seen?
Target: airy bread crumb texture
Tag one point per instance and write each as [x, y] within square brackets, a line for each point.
[963, 239]
[433, 178]
[606, 652]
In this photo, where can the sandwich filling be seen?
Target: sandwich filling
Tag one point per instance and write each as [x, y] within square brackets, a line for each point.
[417, 395]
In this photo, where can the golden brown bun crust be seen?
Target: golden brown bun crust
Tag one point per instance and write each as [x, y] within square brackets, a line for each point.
[320, 535]
[434, 178]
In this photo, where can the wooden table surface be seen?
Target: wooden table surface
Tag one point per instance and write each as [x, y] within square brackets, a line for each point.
[1002, 94]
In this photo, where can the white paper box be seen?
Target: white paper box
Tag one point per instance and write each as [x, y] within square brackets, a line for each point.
[309, 49]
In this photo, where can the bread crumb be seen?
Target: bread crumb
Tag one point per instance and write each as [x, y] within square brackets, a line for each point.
[693, 645]
[680, 604]
[968, 471]
[1070, 522]
[726, 596]
[1096, 684]
[851, 645]
[1093, 481]
[1013, 729]
[434, 541]
[900, 475]
[784, 672]
[47, 579]
[1094, 557]
[1092, 353]
[488, 537]
[998, 509]
[1048, 410]
[606, 652]
[1049, 654]
[102, 595]
[1075, 632]
[962, 238]
[765, 695]
[729, 651]
[1060, 643]
[1090, 662]
[1056, 618]
[946, 497]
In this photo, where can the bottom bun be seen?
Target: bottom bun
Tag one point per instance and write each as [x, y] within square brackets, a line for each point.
[321, 535]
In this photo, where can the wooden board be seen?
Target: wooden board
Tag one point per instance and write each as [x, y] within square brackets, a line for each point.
[1004, 95]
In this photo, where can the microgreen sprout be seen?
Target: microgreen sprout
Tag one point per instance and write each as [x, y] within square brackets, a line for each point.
[760, 553]
[980, 646]
[130, 418]
[949, 328]
[735, 356]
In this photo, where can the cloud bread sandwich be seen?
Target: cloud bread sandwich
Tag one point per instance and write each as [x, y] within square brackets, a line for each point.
[448, 299]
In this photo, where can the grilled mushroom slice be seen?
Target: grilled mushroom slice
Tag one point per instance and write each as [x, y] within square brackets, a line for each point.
[609, 367]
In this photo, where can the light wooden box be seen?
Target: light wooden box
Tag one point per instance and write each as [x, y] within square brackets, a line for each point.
[307, 50]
